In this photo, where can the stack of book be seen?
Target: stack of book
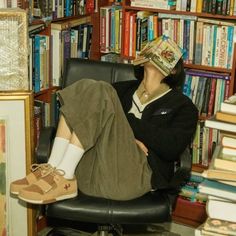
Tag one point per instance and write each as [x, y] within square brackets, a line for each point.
[225, 118]
[190, 191]
[220, 177]
[220, 186]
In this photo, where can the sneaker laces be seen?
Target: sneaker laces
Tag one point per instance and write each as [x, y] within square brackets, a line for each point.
[54, 171]
[44, 168]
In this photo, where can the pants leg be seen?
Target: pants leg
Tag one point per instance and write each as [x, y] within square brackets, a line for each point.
[113, 166]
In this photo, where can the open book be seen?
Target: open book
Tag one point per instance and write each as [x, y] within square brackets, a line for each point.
[162, 52]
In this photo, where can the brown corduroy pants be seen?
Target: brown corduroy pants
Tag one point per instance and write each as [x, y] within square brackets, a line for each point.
[113, 166]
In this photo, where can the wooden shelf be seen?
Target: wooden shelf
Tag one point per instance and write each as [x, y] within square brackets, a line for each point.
[199, 168]
[208, 68]
[188, 13]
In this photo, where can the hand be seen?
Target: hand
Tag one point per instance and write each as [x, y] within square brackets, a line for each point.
[142, 146]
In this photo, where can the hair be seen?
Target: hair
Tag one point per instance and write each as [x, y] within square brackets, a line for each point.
[174, 80]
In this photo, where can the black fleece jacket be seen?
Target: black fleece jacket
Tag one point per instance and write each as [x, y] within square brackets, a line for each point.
[166, 128]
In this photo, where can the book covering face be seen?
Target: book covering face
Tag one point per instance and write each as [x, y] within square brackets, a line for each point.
[162, 52]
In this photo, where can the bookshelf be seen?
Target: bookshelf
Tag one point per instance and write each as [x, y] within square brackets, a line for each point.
[130, 13]
[41, 24]
[57, 33]
[190, 63]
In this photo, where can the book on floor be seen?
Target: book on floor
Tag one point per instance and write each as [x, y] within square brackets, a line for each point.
[162, 52]
[219, 227]
[214, 208]
[218, 189]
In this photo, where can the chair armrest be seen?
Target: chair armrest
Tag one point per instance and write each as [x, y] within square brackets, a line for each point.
[183, 171]
[46, 138]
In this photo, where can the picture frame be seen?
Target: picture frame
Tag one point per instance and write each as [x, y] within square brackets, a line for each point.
[16, 150]
[14, 57]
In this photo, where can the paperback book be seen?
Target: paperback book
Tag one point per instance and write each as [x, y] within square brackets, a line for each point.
[229, 105]
[221, 227]
[162, 53]
[214, 208]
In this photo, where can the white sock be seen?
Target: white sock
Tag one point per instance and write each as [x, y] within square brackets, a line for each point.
[70, 161]
[58, 150]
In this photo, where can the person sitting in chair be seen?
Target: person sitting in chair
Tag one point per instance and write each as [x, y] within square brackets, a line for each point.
[116, 141]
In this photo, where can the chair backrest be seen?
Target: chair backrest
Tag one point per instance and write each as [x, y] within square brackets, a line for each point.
[76, 69]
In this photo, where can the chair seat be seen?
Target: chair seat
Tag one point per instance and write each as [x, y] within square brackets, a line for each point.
[153, 207]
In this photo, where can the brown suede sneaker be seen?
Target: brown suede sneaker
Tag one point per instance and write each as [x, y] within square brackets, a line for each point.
[37, 170]
[50, 188]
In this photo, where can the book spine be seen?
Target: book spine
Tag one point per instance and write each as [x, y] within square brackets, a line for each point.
[223, 46]
[219, 7]
[214, 29]
[199, 42]
[206, 99]
[103, 30]
[212, 98]
[37, 64]
[230, 42]
[117, 30]
[112, 30]
[126, 37]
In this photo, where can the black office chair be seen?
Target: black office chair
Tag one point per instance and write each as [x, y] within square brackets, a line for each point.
[153, 207]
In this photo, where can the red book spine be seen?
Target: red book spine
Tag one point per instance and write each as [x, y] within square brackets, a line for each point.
[212, 98]
[126, 34]
[90, 6]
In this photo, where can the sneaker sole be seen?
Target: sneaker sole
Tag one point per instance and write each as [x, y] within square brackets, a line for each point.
[64, 197]
[14, 193]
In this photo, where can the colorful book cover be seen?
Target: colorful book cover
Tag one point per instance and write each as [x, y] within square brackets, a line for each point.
[161, 52]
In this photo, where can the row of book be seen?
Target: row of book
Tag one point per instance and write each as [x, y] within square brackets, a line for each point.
[204, 41]
[54, 9]
[207, 90]
[11, 4]
[220, 178]
[222, 7]
[110, 29]
[46, 113]
[191, 203]
[48, 53]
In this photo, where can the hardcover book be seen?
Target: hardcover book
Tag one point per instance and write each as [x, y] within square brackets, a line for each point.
[218, 189]
[228, 141]
[224, 160]
[218, 174]
[229, 105]
[162, 53]
[227, 117]
[214, 208]
[220, 125]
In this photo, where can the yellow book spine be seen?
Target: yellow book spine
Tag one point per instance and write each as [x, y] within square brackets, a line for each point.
[199, 6]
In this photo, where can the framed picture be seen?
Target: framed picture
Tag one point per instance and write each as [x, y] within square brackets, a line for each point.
[14, 49]
[16, 152]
